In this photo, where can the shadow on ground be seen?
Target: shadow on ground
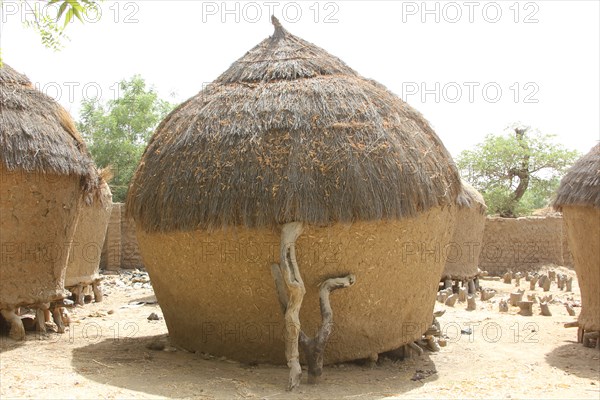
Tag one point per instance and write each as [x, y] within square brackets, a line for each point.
[146, 299]
[131, 364]
[6, 343]
[576, 359]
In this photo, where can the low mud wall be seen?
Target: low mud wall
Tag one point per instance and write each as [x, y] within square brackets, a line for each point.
[523, 244]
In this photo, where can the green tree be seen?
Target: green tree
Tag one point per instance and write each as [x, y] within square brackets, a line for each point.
[117, 132]
[51, 28]
[517, 172]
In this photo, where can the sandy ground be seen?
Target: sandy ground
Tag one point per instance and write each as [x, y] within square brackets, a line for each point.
[106, 354]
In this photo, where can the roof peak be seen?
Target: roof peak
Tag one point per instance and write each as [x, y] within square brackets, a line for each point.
[284, 56]
[280, 31]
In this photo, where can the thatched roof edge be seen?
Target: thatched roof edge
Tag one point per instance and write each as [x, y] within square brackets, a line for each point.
[470, 197]
[581, 184]
[37, 135]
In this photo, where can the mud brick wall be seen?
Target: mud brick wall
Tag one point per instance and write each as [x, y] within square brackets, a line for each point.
[523, 244]
[130, 252]
[120, 247]
[110, 258]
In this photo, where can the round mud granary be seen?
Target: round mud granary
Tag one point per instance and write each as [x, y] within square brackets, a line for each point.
[578, 198]
[462, 254]
[84, 261]
[290, 143]
[45, 175]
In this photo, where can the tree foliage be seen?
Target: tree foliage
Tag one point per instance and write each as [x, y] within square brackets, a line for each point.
[50, 27]
[516, 172]
[117, 132]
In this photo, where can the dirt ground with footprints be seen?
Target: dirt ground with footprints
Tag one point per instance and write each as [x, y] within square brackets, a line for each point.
[113, 350]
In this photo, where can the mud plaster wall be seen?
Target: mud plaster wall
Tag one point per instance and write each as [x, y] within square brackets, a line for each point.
[218, 296]
[462, 257]
[520, 244]
[38, 216]
[583, 227]
[523, 244]
[88, 240]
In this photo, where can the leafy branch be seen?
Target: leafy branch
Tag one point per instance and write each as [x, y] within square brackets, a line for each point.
[51, 29]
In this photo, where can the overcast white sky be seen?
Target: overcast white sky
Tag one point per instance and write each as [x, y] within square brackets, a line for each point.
[471, 67]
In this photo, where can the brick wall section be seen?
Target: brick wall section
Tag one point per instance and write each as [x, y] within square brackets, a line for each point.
[111, 252]
[523, 244]
[518, 244]
[121, 248]
[130, 253]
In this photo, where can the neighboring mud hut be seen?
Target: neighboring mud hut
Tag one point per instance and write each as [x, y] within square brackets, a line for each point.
[578, 198]
[45, 175]
[290, 143]
[462, 254]
[84, 261]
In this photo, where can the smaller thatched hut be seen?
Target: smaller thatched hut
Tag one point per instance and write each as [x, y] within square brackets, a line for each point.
[46, 174]
[84, 261]
[578, 198]
[462, 255]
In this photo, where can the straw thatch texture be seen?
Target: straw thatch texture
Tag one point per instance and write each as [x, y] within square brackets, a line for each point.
[289, 133]
[581, 184]
[217, 295]
[462, 254]
[578, 197]
[45, 170]
[88, 240]
[37, 135]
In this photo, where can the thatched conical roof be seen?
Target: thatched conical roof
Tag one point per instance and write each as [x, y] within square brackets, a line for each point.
[290, 133]
[37, 134]
[581, 184]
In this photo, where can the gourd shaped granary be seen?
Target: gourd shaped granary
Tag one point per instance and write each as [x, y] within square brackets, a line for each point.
[578, 198]
[290, 143]
[46, 176]
[83, 267]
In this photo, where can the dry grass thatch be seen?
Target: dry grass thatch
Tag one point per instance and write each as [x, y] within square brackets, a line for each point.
[581, 185]
[471, 198]
[37, 135]
[290, 133]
